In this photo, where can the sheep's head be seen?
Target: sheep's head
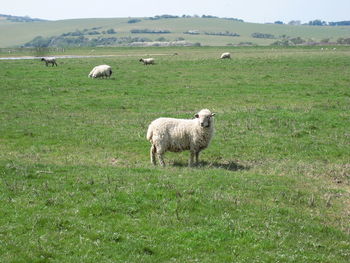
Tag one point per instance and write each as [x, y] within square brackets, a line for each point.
[205, 118]
[141, 59]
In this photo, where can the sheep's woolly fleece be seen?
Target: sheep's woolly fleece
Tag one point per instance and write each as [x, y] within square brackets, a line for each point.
[225, 55]
[147, 61]
[101, 71]
[176, 135]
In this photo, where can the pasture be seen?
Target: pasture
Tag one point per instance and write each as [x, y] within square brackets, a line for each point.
[77, 185]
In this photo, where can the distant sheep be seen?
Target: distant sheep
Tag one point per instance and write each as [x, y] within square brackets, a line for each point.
[48, 61]
[225, 55]
[177, 135]
[147, 61]
[101, 71]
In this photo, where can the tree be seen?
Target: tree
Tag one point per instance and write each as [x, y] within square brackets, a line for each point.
[340, 23]
[317, 22]
[39, 42]
[295, 23]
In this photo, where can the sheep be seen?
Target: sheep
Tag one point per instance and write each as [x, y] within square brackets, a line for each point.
[101, 71]
[50, 60]
[225, 55]
[177, 135]
[147, 61]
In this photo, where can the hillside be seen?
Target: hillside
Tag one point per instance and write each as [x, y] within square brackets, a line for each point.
[207, 31]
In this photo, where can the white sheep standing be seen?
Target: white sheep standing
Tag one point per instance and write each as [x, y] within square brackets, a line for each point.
[50, 60]
[101, 71]
[225, 55]
[177, 135]
[147, 61]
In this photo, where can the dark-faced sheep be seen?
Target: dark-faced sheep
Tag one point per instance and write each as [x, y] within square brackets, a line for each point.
[49, 61]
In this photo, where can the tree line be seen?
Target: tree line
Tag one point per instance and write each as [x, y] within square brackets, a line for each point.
[316, 22]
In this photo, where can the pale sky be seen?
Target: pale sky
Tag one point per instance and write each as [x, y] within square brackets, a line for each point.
[260, 11]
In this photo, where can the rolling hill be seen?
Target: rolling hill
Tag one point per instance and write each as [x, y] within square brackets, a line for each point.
[194, 30]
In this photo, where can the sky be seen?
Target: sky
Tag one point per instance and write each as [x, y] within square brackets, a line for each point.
[259, 11]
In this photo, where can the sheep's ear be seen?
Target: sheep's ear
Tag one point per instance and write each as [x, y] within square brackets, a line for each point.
[196, 115]
[213, 114]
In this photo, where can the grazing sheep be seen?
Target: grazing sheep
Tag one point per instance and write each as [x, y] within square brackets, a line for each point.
[101, 71]
[225, 55]
[147, 61]
[177, 135]
[48, 61]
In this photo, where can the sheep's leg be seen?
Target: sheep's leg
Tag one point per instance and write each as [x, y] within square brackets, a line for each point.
[190, 162]
[153, 154]
[197, 157]
[160, 158]
[160, 150]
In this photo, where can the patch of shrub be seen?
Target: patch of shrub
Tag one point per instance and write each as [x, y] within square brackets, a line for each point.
[283, 43]
[262, 35]
[247, 43]
[21, 18]
[149, 31]
[192, 32]
[39, 42]
[233, 19]
[226, 33]
[297, 40]
[91, 33]
[81, 41]
[134, 20]
[162, 17]
[161, 39]
[111, 31]
[209, 16]
[343, 41]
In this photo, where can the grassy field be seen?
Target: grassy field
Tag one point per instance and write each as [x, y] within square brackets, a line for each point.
[16, 34]
[77, 185]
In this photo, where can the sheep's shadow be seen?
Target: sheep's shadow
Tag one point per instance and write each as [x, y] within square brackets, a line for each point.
[229, 165]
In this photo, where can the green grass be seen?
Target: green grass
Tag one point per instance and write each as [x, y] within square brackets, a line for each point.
[76, 183]
[16, 34]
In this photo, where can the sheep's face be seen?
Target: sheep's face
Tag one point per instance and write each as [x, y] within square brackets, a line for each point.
[205, 118]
